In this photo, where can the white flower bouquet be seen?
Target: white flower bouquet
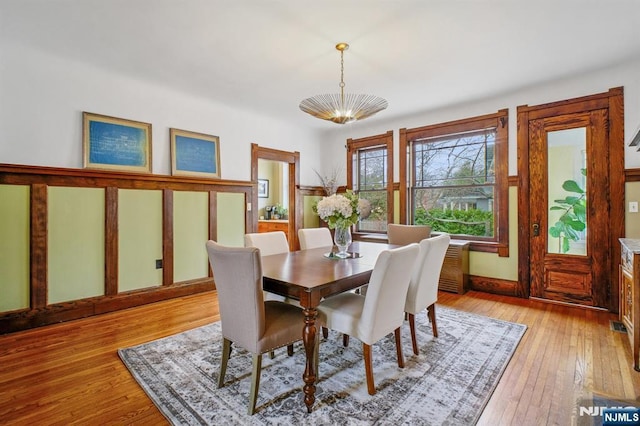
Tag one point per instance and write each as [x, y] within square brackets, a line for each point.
[342, 210]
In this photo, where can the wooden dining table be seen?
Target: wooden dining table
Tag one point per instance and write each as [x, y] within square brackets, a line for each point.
[309, 276]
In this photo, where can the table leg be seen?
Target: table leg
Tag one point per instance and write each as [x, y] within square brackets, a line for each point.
[309, 339]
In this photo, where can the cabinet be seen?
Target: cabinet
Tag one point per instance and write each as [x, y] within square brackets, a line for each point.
[454, 276]
[630, 294]
[274, 225]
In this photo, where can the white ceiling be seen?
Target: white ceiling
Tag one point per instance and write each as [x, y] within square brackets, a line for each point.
[268, 55]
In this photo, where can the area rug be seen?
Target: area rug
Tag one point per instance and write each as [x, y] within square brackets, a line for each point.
[450, 381]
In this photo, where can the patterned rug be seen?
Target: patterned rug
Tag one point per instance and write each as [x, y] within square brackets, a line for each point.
[450, 381]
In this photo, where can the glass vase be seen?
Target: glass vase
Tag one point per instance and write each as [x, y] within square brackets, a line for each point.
[342, 240]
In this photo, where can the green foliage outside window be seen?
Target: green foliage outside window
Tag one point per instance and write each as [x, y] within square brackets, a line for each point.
[462, 222]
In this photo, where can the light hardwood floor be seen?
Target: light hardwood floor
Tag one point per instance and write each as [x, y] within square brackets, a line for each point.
[70, 373]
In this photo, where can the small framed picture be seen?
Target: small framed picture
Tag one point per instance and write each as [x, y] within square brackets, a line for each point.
[263, 188]
[115, 143]
[194, 154]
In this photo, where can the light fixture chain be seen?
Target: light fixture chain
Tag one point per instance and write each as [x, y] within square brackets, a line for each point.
[342, 78]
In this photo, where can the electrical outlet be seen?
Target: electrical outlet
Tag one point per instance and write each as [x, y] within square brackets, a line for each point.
[158, 263]
[633, 207]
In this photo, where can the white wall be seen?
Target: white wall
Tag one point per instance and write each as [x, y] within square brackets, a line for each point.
[626, 75]
[42, 98]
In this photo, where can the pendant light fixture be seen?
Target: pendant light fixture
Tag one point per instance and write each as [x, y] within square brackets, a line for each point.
[342, 107]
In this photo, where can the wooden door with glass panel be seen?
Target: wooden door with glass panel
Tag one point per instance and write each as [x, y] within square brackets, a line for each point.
[569, 214]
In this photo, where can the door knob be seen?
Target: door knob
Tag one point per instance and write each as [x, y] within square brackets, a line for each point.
[536, 229]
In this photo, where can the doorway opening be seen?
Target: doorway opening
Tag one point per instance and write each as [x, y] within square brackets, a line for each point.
[284, 167]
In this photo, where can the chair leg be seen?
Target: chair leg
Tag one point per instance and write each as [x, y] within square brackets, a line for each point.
[255, 382]
[272, 354]
[368, 368]
[412, 327]
[431, 312]
[290, 350]
[345, 340]
[226, 351]
[317, 357]
[399, 348]
[325, 332]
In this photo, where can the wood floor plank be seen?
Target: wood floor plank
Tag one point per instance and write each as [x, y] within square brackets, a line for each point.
[71, 373]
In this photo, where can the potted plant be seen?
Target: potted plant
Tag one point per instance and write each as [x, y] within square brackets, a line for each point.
[280, 211]
[574, 215]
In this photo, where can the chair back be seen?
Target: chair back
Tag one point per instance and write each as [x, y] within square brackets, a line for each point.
[314, 237]
[407, 234]
[237, 272]
[269, 243]
[383, 309]
[423, 286]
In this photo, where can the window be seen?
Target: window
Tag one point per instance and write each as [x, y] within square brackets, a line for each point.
[370, 175]
[456, 179]
[453, 190]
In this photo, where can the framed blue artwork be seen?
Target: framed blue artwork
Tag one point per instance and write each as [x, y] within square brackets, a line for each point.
[194, 154]
[112, 143]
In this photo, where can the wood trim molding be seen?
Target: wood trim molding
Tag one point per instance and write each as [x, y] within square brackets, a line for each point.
[67, 311]
[39, 246]
[111, 242]
[296, 206]
[632, 175]
[40, 312]
[383, 139]
[167, 237]
[25, 175]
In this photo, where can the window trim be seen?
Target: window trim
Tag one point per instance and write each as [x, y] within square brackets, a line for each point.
[499, 120]
[381, 140]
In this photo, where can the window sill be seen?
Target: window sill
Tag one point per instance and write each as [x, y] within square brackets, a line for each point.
[479, 246]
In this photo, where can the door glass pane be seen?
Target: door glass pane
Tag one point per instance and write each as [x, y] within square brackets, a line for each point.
[567, 185]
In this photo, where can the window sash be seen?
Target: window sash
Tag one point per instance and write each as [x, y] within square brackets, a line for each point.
[455, 172]
[364, 179]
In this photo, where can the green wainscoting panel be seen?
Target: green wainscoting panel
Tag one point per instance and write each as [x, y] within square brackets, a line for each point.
[76, 243]
[310, 219]
[139, 238]
[190, 234]
[490, 264]
[632, 220]
[230, 219]
[14, 247]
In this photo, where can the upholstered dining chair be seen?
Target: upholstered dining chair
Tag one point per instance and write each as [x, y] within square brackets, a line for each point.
[423, 286]
[274, 242]
[248, 320]
[370, 318]
[407, 234]
[314, 237]
[269, 243]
